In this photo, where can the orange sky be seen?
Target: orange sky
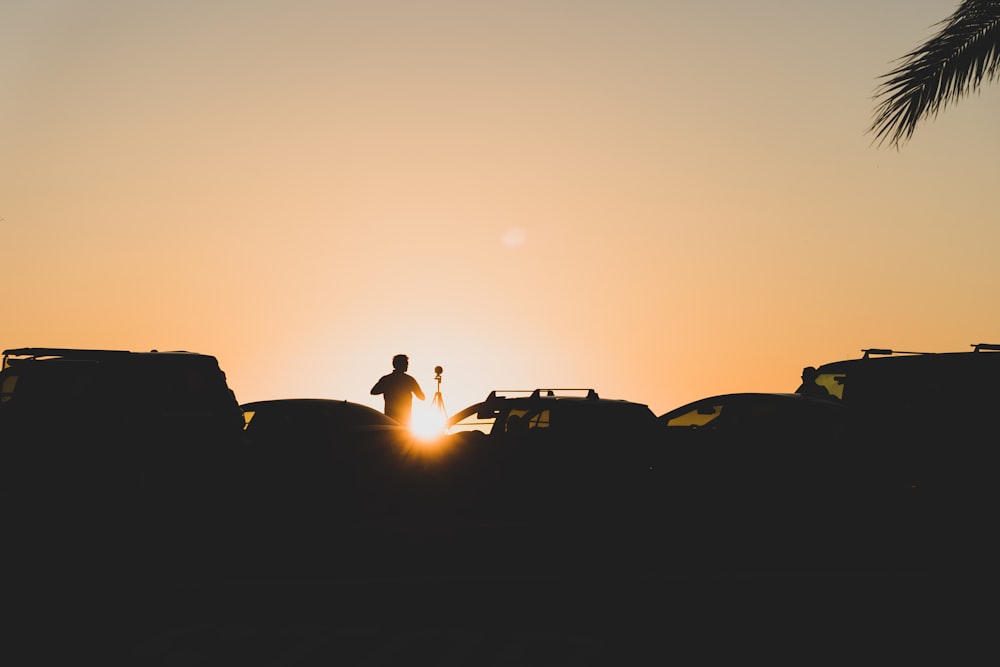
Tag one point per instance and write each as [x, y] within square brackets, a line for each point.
[659, 200]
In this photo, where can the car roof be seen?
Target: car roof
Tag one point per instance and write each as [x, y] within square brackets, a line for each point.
[314, 418]
[749, 397]
[318, 406]
[567, 395]
[305, 402]
[982, 353]
[915, 382]
[569, 398]
[46, 353]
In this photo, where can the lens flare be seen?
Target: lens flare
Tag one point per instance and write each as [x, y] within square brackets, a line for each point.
[427, 423]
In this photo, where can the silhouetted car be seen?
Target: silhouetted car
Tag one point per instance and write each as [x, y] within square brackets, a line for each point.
[577, 415]
[104, 449]
[316, 420]
[757, 415]
[893, 448]
[564, 450]
[51, 392]
[759, 440]
[326, 460]
[930, 419]
[925, 418]
[922, 393]
[899, 415]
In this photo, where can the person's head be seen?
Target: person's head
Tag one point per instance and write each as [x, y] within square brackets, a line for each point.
[401, 362]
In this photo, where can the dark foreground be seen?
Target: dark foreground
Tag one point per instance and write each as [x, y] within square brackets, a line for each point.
[427, 570]
[589, 620]
[433, 595]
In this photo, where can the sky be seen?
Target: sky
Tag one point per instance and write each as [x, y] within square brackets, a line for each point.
[661, 200]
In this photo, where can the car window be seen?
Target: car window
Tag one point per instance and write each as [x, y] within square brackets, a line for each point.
[540, 419]
[472, 422]
[7, 388]
[519, 420]
[832, 382]
[696, 416]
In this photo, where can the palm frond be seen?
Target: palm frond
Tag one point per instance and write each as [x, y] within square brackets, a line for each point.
[945, 68]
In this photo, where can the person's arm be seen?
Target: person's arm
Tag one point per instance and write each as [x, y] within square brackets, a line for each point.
[378, 388]
[417, 391]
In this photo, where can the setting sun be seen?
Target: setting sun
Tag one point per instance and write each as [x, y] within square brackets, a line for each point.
[428, 421]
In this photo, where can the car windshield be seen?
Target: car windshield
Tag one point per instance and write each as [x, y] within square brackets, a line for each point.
[832, 382]
[506, 417]
[699, 415]
[470, 419]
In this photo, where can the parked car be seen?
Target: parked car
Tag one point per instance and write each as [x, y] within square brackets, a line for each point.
[906, 417]
[568, 451]
[757, 442]
[572, 415]
[923, 394]
[890, 455]
[296, 421]
[755, 421]
[47, 393]
[104, 451]
[932, 416]
[309, 461]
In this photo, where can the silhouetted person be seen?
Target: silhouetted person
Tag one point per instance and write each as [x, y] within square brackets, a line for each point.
[399, 390]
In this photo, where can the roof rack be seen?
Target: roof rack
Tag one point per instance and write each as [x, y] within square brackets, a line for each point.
[72, 353]
[551, 393]
[68, 353]
[30, 353]
[78, 353]
[545, 392]
[884, 352]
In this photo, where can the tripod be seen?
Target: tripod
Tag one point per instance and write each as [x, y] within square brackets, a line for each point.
[437, 403]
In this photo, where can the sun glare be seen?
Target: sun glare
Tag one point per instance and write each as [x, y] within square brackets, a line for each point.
[427, 423]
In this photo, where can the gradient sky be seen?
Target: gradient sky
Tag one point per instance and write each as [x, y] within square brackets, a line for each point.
[660, 200]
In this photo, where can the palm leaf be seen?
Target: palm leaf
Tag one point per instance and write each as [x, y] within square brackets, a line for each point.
[944, 69]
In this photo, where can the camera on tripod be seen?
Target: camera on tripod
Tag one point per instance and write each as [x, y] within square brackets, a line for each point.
[438, 401]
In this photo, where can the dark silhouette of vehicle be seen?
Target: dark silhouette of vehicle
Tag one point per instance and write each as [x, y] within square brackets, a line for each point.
[890, 454]
[564, 451]
[107, 451]
[753, 414]
[907, 409]
[87, 420]
[314, 461]
[930, 420]
[935, 394]
[757, 445]
[316, 420]
[76, 393]
[923, 418]
[557, 414]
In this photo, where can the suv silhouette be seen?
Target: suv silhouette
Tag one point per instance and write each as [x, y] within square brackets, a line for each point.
[929, 415]
[48, 393]
[936, 390]
[891, 454]
[114, 460]
[568, 451]
[557, 414]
